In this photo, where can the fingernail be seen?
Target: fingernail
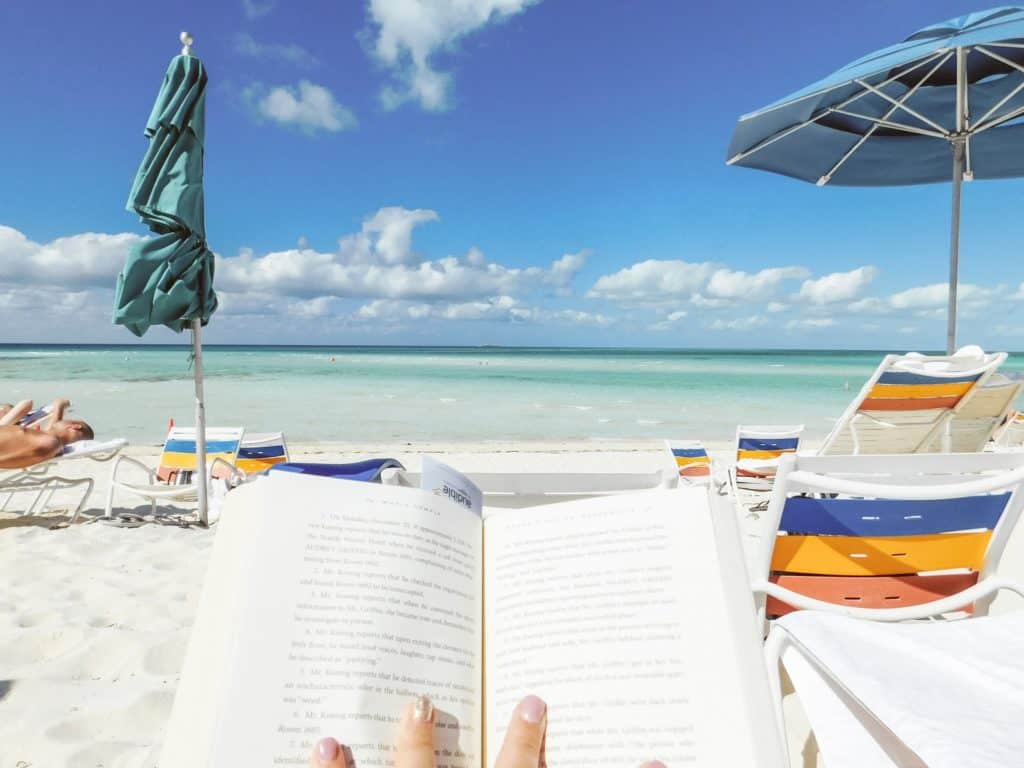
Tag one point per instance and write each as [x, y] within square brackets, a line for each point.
[423, 710]
[327, 750]
[653, 764]
[532, 709]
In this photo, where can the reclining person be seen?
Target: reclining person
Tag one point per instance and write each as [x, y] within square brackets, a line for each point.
[22, 447]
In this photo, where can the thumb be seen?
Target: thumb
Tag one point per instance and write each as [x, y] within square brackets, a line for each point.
[327, 753]
[524, 740]
[415, 743]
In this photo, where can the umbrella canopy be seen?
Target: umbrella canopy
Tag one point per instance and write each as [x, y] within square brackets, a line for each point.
[891, 117]
[168, 279]
[946, 104]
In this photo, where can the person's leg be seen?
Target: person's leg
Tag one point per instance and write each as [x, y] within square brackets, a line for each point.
[15, 413]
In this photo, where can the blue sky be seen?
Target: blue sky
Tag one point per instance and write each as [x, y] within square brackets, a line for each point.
[483, 171]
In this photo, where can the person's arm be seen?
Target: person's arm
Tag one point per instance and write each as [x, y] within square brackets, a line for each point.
[22, 448]
[16, 413]
[56, 412]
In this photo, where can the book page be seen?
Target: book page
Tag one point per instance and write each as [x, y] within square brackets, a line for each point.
[362, 597]
[590, 605]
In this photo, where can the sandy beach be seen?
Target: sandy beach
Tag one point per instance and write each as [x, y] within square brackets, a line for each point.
[95, 619]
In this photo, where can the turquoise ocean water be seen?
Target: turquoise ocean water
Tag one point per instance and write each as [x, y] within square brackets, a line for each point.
[410, 394]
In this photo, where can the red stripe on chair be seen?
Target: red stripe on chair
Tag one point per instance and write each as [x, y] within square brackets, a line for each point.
[871, 591]
[907, 403]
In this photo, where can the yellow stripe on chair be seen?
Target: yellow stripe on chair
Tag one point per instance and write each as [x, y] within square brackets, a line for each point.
[255, 466]
[175, 460]
[744, 454]
[920, 390]
[879, 556]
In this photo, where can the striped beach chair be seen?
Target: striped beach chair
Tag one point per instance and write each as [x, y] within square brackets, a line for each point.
[888, 537]
[259, 452]
[1011, 433]
[758, 450]
[173, 479]
[908, 403]
[690, 460]
[851, 542]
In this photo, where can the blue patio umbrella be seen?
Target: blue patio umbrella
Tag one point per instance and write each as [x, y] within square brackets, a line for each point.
[946, 104]
[168, 279]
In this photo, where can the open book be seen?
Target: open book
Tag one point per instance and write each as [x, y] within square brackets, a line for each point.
[329, 604]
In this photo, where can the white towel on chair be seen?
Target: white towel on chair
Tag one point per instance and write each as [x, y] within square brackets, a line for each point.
[946, 694]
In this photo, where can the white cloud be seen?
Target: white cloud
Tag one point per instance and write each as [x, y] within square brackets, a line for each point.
[84, 260]
[256, 8]
[247, 45]
[930, 300]
[669, 321]
[922, 296]
[307, 106]
[379, 262]
[776, 306]
[653, 280]
[496, 308]
[737, 324]
[751, 286]
[838, 286]
[811, 323]
[410, 34]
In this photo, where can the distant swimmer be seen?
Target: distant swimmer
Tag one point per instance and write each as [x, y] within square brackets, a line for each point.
[333, 359]
[846, 386]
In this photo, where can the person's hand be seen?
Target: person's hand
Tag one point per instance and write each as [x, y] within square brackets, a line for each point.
[523, 746]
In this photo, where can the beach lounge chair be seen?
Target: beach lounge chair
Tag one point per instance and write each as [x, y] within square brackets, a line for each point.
[259, 452]
[758, 450]
[690, 460]
[864, 541]
[1011, 434]
[368, 471]
[173, 478]
[42, 481]
[908, 402]
[516, 490]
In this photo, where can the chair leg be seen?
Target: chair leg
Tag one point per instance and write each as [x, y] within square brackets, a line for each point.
[108, 509]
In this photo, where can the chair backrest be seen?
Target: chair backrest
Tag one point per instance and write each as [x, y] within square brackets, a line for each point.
[985, 409]
[690, 460]
[179, 455]
[1011, 435]
[758, 450]
[259, 452]
[907, 402]
[888, 531]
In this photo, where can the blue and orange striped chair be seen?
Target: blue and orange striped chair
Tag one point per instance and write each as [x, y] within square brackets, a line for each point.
[758, 450]
[908, 403]
[173, 478]
[888, 537]
[690, 460]
[259, 452]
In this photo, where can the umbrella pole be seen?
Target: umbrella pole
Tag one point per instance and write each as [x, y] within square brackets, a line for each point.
[197, 351]
[954, 244]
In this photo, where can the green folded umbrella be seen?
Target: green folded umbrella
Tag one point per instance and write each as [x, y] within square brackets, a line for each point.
[168, 279]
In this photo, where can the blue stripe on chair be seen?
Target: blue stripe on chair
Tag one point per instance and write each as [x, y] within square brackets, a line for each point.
[767, 444]
[262, 452]
[366, 471]
[689, 453]
[890, 517]
[212, 446]
[902, 377]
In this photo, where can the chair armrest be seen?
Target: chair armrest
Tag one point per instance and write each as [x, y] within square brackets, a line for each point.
[232, 471]
[122, 459]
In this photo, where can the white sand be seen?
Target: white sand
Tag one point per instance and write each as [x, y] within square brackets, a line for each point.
[94, 619]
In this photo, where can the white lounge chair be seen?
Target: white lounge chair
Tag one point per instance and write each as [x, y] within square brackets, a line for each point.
[259, 452]
[173, 480]
[689, 459]
[908, 403]
[42, 480]
[856, 543]
[758, 450]
[527, 489]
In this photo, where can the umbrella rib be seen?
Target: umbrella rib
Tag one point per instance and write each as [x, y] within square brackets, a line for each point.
[826, 178]
[883, 123]
[999, 121]
[900, 105]
[827, 110]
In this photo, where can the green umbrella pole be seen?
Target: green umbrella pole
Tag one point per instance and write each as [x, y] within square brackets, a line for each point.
[197, 351]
